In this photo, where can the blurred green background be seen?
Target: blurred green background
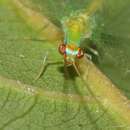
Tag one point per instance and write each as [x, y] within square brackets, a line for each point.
[22, 59]
[111, 37]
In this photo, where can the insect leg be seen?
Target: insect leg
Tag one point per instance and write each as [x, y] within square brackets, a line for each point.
[88, 56]
[74, 64]
[45, 64]
[42, 68]
[93, 51]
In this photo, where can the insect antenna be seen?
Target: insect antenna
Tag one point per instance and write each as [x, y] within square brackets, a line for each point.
[88, 111]
[89, 89]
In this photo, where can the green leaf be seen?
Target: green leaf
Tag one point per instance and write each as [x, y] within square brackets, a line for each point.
[114, 43]
[53, 102]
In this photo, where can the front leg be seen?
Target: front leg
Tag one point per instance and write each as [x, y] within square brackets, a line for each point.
[45, 64]
[93, 51]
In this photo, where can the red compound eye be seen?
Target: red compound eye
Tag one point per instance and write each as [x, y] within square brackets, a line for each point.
[80, 54]
[62, 48]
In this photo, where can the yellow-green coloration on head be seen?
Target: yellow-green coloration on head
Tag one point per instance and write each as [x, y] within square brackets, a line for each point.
[81, 23]
[76, 27]
[73, 31]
